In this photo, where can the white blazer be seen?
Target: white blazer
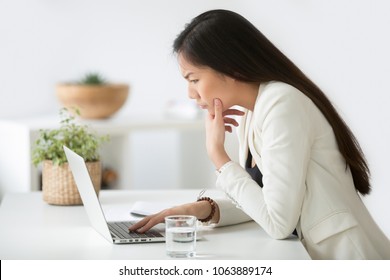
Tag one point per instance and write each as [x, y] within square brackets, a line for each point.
[306, 183]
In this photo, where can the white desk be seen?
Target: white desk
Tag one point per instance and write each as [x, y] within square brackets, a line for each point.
[32, 229]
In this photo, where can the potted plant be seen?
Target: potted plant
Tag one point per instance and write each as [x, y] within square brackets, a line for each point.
[93, 95]
[58, 186]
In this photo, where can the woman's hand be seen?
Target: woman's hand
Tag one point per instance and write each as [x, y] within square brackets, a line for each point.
[200, 210]
[216, 126]
[149, 221]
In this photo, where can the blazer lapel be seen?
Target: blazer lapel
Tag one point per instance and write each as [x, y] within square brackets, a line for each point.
[246, 135]
[243, 130]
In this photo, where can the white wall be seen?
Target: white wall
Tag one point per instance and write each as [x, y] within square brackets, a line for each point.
[342, 45]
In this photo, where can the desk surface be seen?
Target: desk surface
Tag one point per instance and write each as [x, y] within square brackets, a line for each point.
[32, 229]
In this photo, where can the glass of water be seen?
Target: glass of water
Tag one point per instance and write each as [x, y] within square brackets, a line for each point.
[180, 236]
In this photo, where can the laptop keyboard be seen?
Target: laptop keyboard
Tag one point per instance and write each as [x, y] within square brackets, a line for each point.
[121, 229]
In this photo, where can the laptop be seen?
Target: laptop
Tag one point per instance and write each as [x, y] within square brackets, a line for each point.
[115, 232]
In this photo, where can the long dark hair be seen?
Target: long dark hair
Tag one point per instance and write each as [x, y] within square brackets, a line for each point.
[228, 43]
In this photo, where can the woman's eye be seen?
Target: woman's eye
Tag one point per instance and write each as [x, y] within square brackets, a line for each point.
[194, 81]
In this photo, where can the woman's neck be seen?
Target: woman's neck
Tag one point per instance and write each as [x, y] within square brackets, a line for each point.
[248, 95]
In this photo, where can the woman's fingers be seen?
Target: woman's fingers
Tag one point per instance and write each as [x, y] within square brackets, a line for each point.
[147, 223]
[228, 129]
[140, 224]
[215, 128]
[230, 121]
[150, 221]
[234, 112]
[218, 113]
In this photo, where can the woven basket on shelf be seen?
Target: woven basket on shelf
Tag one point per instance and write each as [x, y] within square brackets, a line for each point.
[94, 101]
[58, 185]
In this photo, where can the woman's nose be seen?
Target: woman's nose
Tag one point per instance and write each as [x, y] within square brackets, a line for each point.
[192, 94]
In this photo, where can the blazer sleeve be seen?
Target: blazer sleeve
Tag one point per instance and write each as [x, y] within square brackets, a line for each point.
[229, 214]
[283, 127]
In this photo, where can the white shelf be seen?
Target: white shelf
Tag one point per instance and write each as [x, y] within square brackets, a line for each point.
[17, 174]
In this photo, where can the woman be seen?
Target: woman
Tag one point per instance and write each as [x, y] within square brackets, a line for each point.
[301, 169]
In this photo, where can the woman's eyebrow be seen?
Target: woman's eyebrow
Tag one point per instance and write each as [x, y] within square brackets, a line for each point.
[188, 75]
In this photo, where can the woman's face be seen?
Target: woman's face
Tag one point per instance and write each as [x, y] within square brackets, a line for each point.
[205, 84]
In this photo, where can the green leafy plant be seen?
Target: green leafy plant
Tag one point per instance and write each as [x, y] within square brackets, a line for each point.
[93, 79]
[78, 137]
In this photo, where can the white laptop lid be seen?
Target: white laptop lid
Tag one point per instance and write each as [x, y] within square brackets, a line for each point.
[87, 193]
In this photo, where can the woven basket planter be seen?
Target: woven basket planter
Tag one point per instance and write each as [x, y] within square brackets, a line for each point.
[94, 101]
[58, 185]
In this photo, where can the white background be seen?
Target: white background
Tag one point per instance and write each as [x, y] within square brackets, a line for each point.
[342, 45]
